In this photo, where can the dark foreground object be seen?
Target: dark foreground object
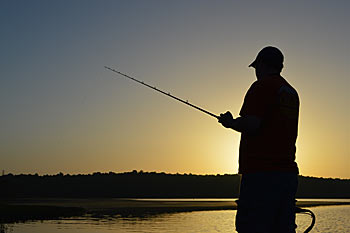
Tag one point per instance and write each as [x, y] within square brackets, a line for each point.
[18, 213]
[308, 212]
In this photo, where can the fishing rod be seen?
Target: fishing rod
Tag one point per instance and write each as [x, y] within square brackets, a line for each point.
[163, 92]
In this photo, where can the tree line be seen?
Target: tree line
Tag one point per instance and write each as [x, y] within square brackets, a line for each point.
[139, 184]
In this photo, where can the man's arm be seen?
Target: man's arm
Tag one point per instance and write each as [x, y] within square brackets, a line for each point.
[246, 124]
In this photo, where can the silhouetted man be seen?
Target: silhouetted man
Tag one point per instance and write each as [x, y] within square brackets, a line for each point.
[268, 124]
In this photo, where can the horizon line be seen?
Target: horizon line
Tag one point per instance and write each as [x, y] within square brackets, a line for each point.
[145, 172]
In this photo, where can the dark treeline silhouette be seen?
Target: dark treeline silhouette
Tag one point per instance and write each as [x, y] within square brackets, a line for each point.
[151, 185]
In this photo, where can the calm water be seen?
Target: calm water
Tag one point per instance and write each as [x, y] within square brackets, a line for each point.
[335, 219]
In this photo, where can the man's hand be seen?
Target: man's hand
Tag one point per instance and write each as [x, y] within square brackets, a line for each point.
[226, 119]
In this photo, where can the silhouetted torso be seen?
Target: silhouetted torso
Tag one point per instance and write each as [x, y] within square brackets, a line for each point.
[272, 148]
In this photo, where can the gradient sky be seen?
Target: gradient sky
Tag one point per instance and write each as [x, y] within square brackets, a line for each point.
[61, 111]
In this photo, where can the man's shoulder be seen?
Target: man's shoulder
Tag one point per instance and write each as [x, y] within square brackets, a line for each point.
[286, 88]
[279, 84]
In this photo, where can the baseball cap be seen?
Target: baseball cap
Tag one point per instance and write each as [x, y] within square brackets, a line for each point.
[270, 55]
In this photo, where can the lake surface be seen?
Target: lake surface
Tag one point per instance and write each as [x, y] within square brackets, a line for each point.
[332, 219]
[233, 199]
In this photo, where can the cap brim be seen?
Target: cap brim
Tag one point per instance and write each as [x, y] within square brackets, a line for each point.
[253, 64]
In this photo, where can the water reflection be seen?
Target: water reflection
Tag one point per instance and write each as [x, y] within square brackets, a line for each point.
[333, 219]
[4, 228]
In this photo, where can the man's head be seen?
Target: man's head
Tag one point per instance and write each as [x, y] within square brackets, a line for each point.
[268, 61]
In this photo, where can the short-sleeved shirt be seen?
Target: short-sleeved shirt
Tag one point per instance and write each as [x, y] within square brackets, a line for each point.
[272, 147]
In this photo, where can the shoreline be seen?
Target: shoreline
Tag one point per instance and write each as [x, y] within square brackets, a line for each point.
[19, 210]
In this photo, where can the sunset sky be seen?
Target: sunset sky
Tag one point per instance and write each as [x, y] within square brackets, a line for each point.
[61, 111]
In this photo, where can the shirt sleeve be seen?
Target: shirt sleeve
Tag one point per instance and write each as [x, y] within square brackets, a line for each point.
[257, 101]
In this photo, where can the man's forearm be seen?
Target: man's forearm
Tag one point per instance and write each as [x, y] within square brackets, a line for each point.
[246, 124]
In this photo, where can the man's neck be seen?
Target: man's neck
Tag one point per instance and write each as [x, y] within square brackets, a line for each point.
[267, 75]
